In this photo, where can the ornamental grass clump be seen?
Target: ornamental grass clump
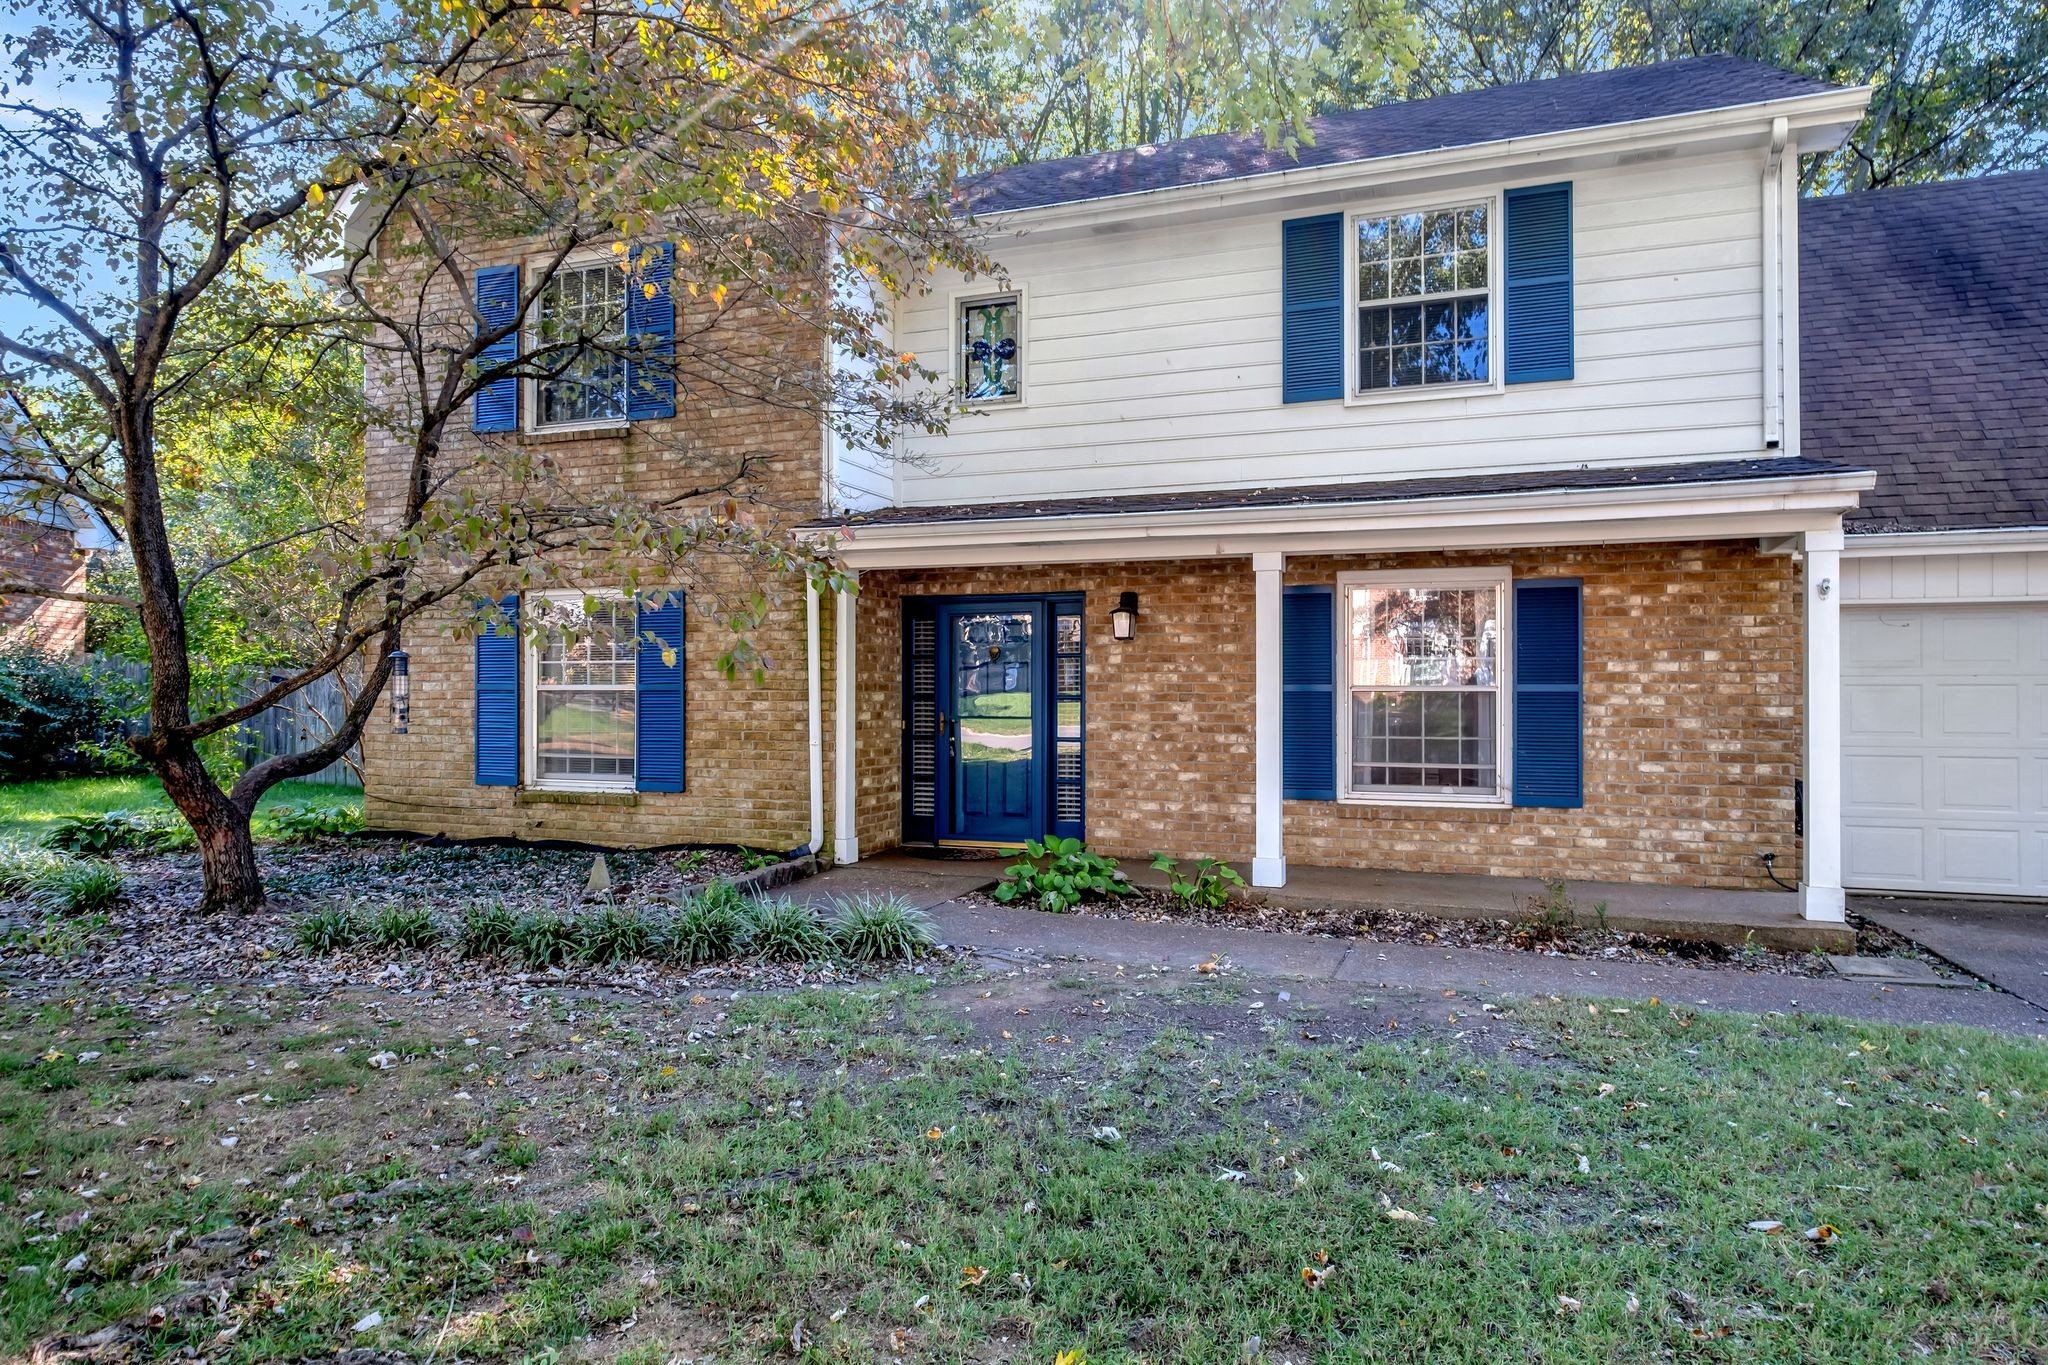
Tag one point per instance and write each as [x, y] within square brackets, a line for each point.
[404, 926]
[786, 930]
[880, 929]
[330, 930]
[544, 939]
[75, 886]
[706, 927]
[485, 931]
[612, 935]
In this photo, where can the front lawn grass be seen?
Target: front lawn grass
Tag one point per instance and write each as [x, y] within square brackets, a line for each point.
[28, 809]
[1008, 1171]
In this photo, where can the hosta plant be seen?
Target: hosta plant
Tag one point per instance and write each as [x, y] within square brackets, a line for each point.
[1208, 889]
[1059, 874]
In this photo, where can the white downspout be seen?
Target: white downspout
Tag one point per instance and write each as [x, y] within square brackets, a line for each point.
[1773, 291]
[845, 788]
[814, 662]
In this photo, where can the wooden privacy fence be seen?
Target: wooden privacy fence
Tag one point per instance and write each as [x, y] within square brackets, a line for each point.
[299, 723]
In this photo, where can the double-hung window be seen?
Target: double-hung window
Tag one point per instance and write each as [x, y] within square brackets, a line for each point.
[584, 706]
[582, 311]
[1424, 299]
[1422, 667]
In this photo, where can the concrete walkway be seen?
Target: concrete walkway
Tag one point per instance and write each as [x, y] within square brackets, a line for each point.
[2004, 942]
[1012, 934]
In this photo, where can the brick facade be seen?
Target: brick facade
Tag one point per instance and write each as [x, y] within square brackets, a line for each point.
[745, 760]
[1692, 732]
[49, 557]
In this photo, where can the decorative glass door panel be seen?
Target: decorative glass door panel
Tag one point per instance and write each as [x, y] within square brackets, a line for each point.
[994, 742]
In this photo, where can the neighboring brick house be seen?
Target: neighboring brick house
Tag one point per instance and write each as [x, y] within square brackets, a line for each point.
[46, 545]
[1442, 499]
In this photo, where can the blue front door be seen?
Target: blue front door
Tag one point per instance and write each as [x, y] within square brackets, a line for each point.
[994, 681]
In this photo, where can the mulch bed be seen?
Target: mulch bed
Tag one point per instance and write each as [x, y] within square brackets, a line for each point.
[153, 933]
[1527, 934]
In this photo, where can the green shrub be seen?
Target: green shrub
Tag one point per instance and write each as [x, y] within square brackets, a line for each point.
[486, 931]
[147, 829]
[56, 716]
[330, 930]
[1059, 874]
[1208, 889]
[404, 926]
[786, 930]
[74, 886]
[299, 820]
[706, 927]
[612, 935]
[544, 939]
[880, 928]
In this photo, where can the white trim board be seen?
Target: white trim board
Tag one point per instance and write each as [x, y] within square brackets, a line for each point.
[1729, 510]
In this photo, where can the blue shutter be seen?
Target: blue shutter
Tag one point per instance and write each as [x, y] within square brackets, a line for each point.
[1549, 694]
[651, 327]
[1308, 695]
[497, 701]
[1539, 283]
[496, 405]
[659, 761]
[1312, 308]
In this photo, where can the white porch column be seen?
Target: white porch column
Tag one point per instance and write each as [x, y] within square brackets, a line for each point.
[845, 842]
[1269, 863]
[814, 715]
[1820, 890]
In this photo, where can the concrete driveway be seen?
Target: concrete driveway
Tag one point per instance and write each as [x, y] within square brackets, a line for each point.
[2004, 942]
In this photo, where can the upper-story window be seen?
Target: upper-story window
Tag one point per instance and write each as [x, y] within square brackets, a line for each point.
[587, 302]
[990, 367]
[1425, 294]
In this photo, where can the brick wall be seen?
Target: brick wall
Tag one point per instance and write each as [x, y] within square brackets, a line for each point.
[1692, 718]
[49, 557]
[745, 760]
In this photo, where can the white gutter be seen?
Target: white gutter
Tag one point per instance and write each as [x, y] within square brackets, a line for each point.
[1743, 507]
[1826, 114]
[1978, 540]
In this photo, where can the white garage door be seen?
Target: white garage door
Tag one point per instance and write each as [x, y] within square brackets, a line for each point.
[1945, 749]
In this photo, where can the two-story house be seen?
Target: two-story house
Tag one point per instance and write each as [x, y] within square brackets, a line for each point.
[1445, 497]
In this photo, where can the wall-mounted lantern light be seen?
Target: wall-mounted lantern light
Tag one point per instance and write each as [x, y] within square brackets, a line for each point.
[1123, 621]
[401, 691]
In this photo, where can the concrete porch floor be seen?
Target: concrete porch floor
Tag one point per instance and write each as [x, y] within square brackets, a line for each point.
[1687, 913]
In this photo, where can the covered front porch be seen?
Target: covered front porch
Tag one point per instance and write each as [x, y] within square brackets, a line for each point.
[1703, 685]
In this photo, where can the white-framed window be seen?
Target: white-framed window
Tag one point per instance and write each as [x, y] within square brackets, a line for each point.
[1424, 710]
[1424, 300]
[585, 300]
[988, 349]
[582, 703]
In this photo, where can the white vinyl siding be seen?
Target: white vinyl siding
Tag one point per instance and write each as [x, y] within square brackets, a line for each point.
[1154, 356]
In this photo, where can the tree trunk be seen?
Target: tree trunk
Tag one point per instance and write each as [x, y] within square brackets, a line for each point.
[227, 847]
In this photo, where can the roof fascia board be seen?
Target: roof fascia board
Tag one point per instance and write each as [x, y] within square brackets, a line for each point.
[1977, 540]
[1820, 120]
[1569, 516]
